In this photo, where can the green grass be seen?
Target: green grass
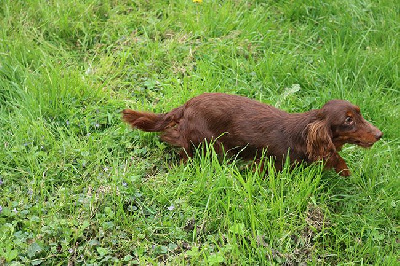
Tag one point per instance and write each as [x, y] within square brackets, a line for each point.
[79, 187]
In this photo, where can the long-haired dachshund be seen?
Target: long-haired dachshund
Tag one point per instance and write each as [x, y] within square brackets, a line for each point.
[238, 124]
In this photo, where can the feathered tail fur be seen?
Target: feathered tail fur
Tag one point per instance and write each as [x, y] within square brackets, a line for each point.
[151, 122]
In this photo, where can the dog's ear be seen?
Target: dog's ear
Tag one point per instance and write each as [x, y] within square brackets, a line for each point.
[319, 141]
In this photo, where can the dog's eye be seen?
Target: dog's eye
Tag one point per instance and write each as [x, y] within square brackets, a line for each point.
[349, 120]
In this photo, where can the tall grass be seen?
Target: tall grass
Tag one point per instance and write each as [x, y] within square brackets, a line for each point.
[77, 186]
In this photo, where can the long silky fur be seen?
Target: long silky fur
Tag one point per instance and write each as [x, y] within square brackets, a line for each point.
[319, 142]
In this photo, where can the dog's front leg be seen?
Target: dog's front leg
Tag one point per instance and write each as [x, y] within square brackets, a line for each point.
[336, 162]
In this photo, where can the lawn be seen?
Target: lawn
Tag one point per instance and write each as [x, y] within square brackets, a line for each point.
[78, 186]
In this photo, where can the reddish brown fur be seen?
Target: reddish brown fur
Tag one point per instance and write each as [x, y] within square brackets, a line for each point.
[239, 124]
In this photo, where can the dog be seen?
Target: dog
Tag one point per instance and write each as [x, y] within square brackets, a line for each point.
[236, 124]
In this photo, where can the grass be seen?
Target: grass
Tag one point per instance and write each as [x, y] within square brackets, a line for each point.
[79, 187]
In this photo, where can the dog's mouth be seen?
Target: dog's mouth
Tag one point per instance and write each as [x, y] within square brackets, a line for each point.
[363, 144]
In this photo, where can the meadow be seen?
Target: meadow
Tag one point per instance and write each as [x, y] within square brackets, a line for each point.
[79, 187]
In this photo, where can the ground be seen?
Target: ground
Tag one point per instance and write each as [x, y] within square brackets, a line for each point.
[78, 186]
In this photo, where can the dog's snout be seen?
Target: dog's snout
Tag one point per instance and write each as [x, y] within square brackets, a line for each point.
[378, 135]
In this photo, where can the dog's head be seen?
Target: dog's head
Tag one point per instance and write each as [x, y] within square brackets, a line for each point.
[338, 122]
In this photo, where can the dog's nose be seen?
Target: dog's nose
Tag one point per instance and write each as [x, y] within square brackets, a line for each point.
[378, 135]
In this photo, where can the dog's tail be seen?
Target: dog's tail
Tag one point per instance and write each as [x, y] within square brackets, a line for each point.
[151, 122]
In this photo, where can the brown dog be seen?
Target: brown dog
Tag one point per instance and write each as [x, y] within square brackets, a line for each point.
[238, 124]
